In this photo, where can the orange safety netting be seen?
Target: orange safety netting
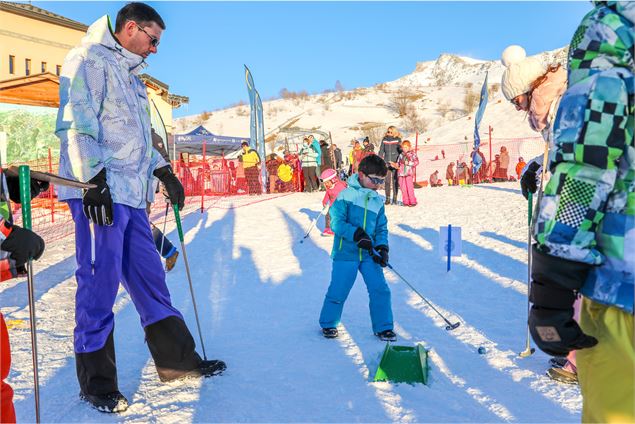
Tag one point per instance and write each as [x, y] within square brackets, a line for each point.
[453, 163]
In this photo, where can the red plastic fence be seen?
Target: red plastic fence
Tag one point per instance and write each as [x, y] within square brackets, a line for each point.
[213, 183]
[216, 182]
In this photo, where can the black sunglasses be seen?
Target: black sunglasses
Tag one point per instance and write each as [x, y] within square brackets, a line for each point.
[376, 180]
[154, 41]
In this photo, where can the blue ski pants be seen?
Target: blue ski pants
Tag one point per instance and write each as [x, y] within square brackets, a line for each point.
[124, 252]
[343, 277]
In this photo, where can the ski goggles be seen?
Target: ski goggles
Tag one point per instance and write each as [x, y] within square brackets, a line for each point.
[376, 180]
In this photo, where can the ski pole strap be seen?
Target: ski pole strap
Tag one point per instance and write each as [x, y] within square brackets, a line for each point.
[24, 174]
[530, 203]
[177, 217]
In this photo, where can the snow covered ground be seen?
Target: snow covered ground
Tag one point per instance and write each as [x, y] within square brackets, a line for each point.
[259, 293]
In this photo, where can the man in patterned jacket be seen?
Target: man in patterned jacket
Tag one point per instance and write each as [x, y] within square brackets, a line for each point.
[585, 230]
[104, 128]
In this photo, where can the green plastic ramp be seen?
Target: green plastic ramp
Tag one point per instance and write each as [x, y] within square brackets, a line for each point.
[403, 364]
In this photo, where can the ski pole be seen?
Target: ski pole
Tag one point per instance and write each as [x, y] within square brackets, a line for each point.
[448, 327]
[25, 200]
[322, 212]
[165, 221]
[177, 217]
[528, 349]
[530, 223]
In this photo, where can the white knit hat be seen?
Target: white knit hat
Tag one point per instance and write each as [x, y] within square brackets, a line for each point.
[520, 71]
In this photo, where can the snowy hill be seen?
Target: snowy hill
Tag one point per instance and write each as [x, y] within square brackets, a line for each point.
[431, 100]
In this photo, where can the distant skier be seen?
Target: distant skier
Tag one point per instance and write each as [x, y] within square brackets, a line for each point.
[333, 187]
[389, 151]
[360, 226]
[250, 160]
[315, 144]
[407, 162]
[368, 146]
[308, 156]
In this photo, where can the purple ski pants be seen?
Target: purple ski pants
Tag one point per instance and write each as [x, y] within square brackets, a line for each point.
[124, 252]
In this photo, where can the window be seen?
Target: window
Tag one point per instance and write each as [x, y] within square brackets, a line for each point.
[43, 67]
[58, 70]
[11, 64]
[27, 67]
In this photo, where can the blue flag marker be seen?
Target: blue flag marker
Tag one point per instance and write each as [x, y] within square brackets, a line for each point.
[449, 246]
[449, 243]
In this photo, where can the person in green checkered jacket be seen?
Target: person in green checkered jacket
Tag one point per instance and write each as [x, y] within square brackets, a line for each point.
[585, 229]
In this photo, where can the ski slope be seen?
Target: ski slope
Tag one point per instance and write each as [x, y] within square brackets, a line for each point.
[259, 293]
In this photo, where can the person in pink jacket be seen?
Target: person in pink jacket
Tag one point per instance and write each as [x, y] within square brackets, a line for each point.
[333, 187]
[407, 162]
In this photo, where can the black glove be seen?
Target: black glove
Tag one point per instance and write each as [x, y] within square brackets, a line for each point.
[529, 179]
[97, 201]
[362, 239]
[23, 245]
[13, 184]
[553, 286]
[172, 185]
[382, 259]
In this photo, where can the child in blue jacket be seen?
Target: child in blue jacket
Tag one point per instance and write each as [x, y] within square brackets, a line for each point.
[360, 225]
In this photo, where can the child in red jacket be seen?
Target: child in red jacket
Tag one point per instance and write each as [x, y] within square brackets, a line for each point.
[333, 187]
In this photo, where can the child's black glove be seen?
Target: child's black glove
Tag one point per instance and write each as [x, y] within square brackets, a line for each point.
[23, 245]
[554, 283]
[13, 184]
[382, 258]
[362, 239]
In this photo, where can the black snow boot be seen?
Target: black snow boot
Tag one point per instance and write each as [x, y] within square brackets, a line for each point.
[172, 347]
[97, 371]
[109, 402]
[329, 333]
[211, 368]
[387, 335]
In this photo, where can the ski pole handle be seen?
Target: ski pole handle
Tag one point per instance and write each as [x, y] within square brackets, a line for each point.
[376, 253]
[177, 217]
[24, 174]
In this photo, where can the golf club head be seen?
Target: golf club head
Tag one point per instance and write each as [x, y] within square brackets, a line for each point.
[527, 352]
[452, 327]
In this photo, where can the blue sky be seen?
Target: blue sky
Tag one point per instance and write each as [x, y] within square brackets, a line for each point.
[311, 45]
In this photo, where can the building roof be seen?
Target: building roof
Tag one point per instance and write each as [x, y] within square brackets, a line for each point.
[150, 80]
[43, 90]
[30, 11]
[34, 90]
[173, 99]
[177, 101]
